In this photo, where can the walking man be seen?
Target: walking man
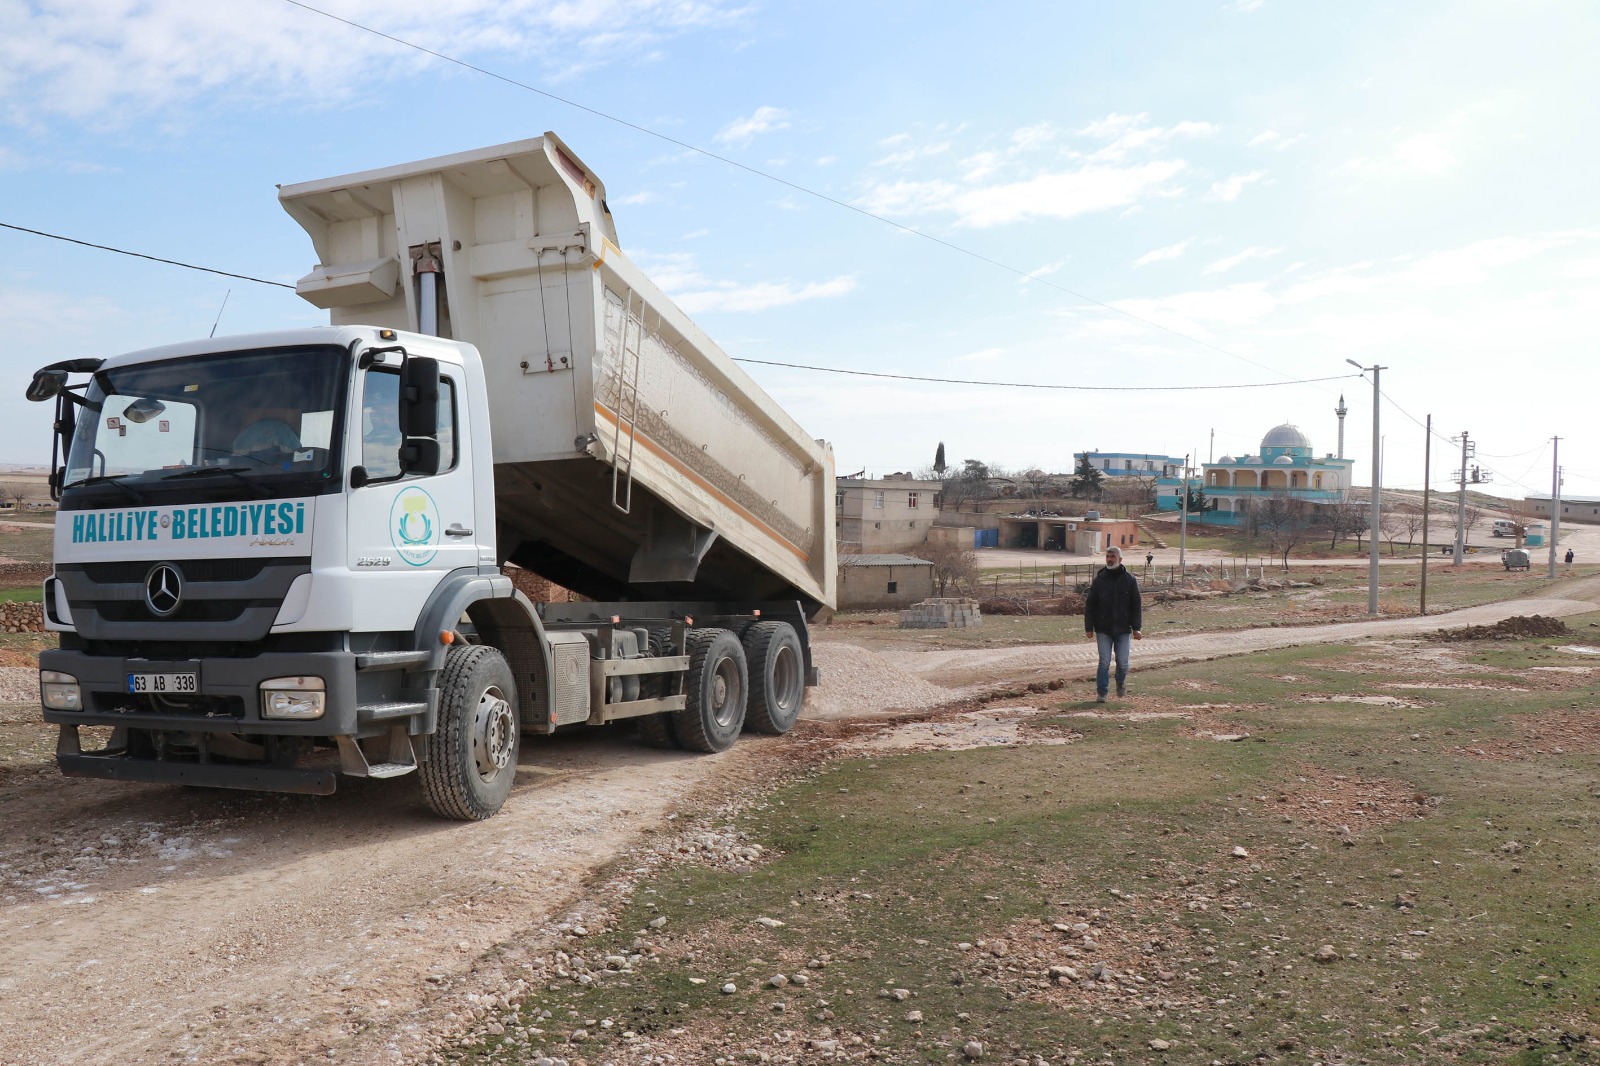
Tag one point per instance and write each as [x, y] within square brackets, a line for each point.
[1113, 615]
[1569, 556]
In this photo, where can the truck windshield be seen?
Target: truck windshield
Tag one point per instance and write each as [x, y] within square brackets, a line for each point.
[256, 423]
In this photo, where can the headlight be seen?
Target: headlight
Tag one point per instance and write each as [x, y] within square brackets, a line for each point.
[293, 697]
[60, 692]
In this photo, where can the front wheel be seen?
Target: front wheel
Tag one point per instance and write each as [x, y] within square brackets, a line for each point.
[472, 758]
[716, 689]
[777, 677]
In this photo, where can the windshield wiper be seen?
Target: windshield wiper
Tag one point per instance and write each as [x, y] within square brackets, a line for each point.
[114, 480]
[232, 471]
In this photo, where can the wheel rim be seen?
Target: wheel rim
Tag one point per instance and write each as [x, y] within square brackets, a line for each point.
[725, 693]
[786, 684]
[494, 733]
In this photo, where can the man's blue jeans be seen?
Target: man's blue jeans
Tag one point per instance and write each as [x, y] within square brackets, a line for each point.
[1121, 644]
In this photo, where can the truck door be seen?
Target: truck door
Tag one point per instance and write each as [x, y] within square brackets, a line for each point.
[405, 532]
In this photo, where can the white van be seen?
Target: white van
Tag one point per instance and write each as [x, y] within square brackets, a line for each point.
[1504, 527]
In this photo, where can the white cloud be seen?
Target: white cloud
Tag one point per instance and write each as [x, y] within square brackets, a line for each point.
[106, 61]
[1035, 172]
[1125, 134]
[742, 131]
[1228, 262]
[1243, 7]
[1227, 190]
[1274, 140]
[762, 296]
[1429, 153]
[680, 277]
[826, 161]
[1164, 253]
[644, 196]
[1062, 194]
[984, 355]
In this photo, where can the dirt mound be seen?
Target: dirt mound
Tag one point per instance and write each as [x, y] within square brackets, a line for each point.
[859, 683]
[1513, 628]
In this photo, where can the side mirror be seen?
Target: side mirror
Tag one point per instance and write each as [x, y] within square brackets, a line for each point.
[420, 455]
[419, 397]
[45, 384]
[143, 410]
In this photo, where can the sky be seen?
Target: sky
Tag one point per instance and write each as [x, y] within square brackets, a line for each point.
[1131, 203]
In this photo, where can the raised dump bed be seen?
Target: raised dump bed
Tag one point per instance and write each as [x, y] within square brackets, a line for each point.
[633, 458]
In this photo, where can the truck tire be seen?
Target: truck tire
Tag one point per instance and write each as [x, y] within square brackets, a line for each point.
[715, 689]
[656, 729]
[472, 758]
[777, 677]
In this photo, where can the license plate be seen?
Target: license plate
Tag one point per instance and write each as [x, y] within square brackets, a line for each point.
[169, 683]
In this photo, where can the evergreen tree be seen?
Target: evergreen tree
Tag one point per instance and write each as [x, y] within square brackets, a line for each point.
[938, 460]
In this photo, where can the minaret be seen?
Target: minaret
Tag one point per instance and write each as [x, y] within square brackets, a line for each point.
[1340, 411]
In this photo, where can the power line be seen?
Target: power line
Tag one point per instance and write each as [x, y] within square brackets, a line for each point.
[141, 255]
[1034, 385]
[647, 131]
[762, 362]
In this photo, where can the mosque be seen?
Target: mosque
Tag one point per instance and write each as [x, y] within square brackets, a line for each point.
[1284, 466]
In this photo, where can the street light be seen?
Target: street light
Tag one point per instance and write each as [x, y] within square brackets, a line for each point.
[1377, 492]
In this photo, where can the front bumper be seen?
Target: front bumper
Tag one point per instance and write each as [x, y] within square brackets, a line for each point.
[228, 699]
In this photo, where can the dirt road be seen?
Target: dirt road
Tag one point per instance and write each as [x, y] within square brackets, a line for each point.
[143, 924]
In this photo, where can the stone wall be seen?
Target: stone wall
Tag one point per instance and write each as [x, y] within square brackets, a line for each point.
[21, 618]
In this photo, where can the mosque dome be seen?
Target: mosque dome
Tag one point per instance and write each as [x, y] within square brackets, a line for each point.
[1285, 436]
[1284, 460]
[1225, 459]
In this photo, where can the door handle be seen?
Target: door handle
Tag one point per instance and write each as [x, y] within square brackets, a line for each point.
[455, 530]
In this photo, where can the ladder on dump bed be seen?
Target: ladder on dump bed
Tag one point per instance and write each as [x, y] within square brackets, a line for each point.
[627, 393]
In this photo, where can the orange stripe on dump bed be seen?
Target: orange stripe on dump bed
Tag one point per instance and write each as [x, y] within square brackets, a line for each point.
[661, 453]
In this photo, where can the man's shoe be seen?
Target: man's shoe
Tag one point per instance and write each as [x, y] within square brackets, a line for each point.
[1100, 698]
[1122, 688]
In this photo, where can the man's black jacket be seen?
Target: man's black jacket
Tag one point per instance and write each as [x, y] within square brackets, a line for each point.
[1113, 605]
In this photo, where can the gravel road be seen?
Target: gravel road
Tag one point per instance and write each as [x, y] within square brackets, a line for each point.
[145, 924]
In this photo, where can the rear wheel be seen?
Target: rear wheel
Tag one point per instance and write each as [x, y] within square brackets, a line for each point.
[472, 758]
[777, 677]
[715, 691]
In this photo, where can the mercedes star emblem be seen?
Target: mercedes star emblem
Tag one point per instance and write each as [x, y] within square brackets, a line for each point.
[163, 589]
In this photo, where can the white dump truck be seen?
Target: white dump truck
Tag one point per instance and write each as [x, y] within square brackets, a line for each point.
[280, 557]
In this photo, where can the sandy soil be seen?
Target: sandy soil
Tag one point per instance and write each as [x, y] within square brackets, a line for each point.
[143, 924]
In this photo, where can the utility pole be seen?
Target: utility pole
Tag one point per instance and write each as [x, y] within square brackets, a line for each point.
[1467, 451]
[1183, 527]
[1555, 500]
[1377, 489]
[1427, 498]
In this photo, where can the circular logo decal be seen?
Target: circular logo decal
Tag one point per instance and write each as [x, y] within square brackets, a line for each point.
[163, 589]
[415, 527]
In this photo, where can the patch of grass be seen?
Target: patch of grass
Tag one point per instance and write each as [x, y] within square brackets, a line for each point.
[34, 594]
[1457, 903]
[28, 544]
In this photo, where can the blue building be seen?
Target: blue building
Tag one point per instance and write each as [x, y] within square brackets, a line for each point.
[1284, 466]
[1130, 464]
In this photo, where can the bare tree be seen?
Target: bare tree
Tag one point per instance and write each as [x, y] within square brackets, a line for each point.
[1284, 520]
[1475, 512]
[1036, 481]
[1348, 518]
[1403, 521]
[954, 567]
[1130, 492]
[1520, 514]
